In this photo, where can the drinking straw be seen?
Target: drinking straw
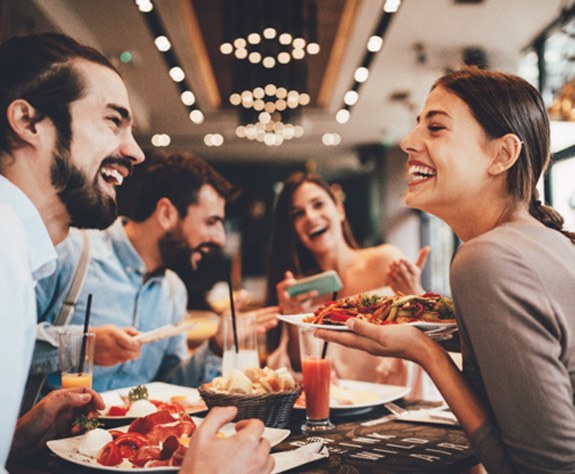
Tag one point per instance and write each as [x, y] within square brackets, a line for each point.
[233, 310]
[324, 350]
[85, 335]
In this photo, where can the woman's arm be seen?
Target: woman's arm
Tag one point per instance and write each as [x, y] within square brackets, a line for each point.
[408, 342]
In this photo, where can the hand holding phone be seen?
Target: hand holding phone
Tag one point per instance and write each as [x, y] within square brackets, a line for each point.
[323, 283]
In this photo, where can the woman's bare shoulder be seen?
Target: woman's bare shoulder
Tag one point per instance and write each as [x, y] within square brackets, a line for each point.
[382, 253]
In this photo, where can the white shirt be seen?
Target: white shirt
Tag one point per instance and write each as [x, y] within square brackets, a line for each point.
[26, 255]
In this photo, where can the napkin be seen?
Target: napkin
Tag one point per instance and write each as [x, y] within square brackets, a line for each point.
[441, 415]
[164, 332]
[298, 457]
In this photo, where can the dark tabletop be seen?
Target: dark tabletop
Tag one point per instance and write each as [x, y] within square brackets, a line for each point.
[389, 447]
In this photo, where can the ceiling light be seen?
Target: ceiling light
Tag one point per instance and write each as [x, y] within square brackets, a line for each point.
[177, 74]
[213, 139]
[196, 116]
[241, 131]
[285, 39]
[254, 38]
[145, 6]
[298, 53]
[374, 43]
[160, 140]
[226, 48]
[162, 43]
[284, 57]
[188, 98]
[269, 62]
[299, 43]
[342, 116]
[351, 98]
[312, 48]
[240, 43]
[391, 6]
[235, 99]
[270, 33]
[361, 74]
[241, 53]
[254, 57]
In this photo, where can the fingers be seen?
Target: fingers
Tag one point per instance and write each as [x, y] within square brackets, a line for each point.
[422, 257]
[73, 398]
[216, 418]
[252, 428]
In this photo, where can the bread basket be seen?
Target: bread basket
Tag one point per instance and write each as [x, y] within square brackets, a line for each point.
[273, 408]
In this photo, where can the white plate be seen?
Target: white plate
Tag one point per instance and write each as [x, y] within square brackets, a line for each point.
[362, 395]
[297, 319]
[156, 391]
[67, 449]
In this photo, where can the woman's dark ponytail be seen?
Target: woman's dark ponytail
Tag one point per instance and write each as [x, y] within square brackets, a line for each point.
[549, 217]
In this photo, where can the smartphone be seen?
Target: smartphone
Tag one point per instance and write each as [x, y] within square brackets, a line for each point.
[326, 282]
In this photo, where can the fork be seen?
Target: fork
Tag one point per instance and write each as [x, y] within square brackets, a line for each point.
[395, 411]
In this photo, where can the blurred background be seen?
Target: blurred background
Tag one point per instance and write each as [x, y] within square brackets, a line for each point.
[261, 89]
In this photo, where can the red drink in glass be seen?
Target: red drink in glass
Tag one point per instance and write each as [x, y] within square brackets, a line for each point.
[316, 380]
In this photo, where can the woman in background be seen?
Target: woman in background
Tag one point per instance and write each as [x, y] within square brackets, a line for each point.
[311, 235]
[475, 157]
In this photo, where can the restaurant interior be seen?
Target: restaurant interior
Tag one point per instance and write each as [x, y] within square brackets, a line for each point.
[261, 89]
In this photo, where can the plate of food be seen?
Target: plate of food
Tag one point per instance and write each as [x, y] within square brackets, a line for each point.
[156, 442]
[125, 404]
[429, 311]
[348, 395]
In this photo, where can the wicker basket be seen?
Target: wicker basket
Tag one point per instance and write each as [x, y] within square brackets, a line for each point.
[273, 409]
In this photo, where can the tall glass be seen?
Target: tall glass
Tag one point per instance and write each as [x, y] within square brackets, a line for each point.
[316, 381]
[76, 351]
[247, 354]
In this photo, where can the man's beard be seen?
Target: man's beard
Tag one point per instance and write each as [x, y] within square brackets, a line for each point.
[176, 254]
[87, 205]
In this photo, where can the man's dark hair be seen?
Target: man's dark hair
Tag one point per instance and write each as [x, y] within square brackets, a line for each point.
[179, 178]
[39, 69]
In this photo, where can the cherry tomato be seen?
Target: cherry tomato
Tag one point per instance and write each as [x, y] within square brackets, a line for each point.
[117, 411]
[110, 455]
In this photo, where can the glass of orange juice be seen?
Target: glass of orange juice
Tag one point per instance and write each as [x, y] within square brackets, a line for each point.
[316, 381]
[76, 350]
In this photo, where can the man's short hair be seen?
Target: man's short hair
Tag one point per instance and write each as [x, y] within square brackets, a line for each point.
[39, 69]
[178, 177]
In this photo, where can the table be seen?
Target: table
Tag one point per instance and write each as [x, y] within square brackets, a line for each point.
[387, 448]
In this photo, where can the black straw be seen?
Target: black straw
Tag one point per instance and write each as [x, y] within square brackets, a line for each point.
[85, 335]
[324, 350]
[233, 310]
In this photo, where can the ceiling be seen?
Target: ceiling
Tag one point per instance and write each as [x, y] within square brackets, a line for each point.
[424, 38]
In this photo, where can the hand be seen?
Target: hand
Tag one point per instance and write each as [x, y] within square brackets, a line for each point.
[396, 340]
[301, 303]
[245, 452]
[115, 345]
[405, 277]
[52, 418]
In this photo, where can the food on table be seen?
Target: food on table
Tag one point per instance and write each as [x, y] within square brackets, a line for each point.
[316, 381]
[141, 408]
[344, 396]
[93, 442]
[85, 422]
[156, 440]
[253, 381]
[137, 404]
[429, 307]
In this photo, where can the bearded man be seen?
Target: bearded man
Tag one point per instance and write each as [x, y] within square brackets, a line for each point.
[178, 217]
[65, 143]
